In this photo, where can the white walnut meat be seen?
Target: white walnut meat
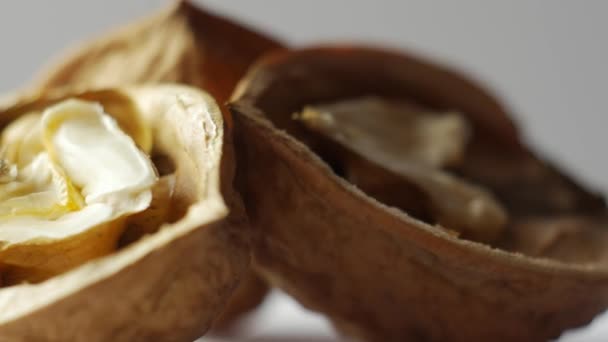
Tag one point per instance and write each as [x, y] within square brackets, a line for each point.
[172, 277]
[76, 177]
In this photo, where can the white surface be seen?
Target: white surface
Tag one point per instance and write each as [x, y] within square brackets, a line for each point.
[279, 319]
[544, 58]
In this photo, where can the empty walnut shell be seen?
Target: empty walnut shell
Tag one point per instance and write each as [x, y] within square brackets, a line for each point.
[166, 286]
[182, 44]
[377, 272]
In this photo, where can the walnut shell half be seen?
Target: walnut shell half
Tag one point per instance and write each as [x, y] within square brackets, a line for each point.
[168, 285]
[379, 273]
[182, 44]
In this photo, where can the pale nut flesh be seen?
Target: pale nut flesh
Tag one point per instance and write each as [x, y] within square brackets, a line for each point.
[76, 176]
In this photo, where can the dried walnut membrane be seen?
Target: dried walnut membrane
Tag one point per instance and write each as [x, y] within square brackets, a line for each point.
[410, 145]
[397, 198]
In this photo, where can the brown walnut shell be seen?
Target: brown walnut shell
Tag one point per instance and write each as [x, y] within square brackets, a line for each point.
[377, 272]
[166, 286]
[182, 44]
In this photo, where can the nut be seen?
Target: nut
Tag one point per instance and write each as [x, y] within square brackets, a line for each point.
[376, 271]
[169, 284]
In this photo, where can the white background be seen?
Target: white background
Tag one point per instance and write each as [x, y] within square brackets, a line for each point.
[546, 59]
